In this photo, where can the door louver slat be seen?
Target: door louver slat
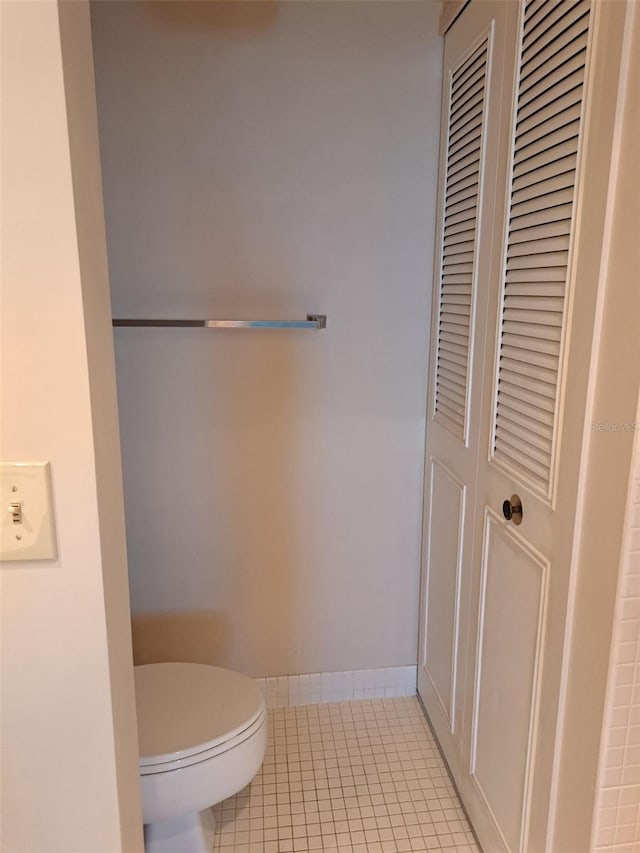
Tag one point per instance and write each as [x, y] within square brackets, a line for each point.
[541, 188]
[464, 193]
[530, 459]
[516, 397]
[555, 123]
[464, 218]
[530, 167]
[540, 389]
[548, 121]
[466, 206]
[517, 413]
[534, 7]
[467, 90]
[472, 159]
[458, 243]
[557, 198]
[565, 31]
[456, 289]
[464, 78]
[465, 119]
[471, 121]
[449, 362]
[466, 116]
[538, 174]
[539, 258]
[556, 96]
[568, 132]
[541, 319]
[449, 383]
[540, 217]
[456, 299]
[531, 371]
[529, 357]
[571, 53]
[530, 469]
[446, 412]
[463, 175]
[468, 98]
[546, 17]
[571, 72]
[522, 444]
[454, 347]
[531, 274]
[559, 107]
[531, 330]
[455, 335]
[563, 35]
[523, 432]
[464, 156]
[456, 228]
[462, 182]
[452, 399]
[550, 231]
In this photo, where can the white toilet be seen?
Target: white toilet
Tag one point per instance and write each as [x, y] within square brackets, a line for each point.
[203, 733]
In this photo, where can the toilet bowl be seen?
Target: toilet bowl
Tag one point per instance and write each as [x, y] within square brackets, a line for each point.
[202, 734]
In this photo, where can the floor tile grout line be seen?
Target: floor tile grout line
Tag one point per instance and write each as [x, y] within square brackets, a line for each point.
[448, 769]
[365, 750]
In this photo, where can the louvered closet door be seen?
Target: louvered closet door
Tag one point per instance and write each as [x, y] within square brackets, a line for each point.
[541, 312]
[533, 315]
[479, 57]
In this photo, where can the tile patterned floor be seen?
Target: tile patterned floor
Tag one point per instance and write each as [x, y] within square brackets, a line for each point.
[363, 777]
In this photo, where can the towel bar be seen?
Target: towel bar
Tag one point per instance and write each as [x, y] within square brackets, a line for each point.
[313, 321]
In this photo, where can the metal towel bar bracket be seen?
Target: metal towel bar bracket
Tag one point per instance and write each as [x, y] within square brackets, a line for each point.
[313, 321]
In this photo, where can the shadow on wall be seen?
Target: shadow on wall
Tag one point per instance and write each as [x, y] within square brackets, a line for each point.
[209, 432]
[238, 18]
[195, 636]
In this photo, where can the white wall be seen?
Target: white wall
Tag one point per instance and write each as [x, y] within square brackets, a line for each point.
[69, 743]
[269, 160]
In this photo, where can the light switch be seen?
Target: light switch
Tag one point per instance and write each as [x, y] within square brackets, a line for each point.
[27, 529]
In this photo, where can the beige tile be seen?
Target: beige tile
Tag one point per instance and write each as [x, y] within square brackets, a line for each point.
[350, 777]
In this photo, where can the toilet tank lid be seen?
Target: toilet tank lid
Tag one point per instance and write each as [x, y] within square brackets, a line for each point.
[185, 708]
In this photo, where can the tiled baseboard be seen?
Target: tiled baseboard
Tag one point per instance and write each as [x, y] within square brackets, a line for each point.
[338, 686]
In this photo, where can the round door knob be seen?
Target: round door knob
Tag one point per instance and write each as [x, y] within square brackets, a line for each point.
[512, 509]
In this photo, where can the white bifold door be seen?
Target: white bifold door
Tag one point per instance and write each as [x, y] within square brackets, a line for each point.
[523, 182]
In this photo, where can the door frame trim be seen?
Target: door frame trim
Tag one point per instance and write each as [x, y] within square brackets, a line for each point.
[599, 529]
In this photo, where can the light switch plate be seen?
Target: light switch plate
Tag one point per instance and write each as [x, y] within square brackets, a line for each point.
[27, 529]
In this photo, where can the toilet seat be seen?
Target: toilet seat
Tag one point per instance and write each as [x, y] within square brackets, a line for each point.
[153, 767]
[189, 713]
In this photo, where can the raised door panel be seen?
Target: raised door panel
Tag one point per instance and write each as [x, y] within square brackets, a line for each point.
[506, 690]
[445, 537]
